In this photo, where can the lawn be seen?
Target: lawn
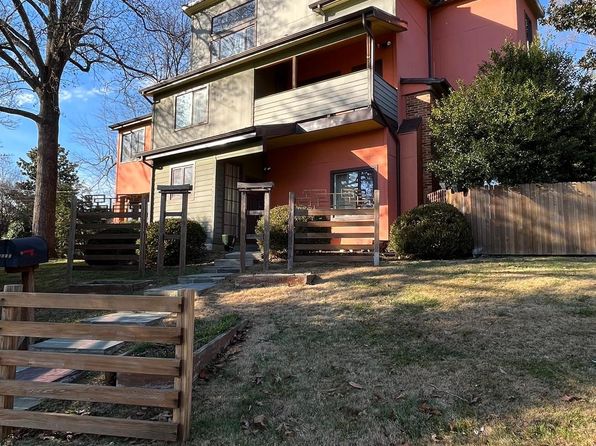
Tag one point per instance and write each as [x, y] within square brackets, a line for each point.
[492, 351]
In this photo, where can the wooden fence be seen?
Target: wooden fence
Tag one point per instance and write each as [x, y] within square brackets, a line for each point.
[108, 233]
[179, 368]
[332, 234]
[532, 219]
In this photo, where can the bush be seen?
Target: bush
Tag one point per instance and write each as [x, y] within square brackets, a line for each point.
[195, 242]
[432, 231]
[16, 229]
[278, 237]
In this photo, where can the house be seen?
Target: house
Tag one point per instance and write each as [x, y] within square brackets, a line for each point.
[328, 99]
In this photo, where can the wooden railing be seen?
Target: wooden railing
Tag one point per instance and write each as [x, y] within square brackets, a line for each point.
[107, 233]
[356, 232]
[179, 368]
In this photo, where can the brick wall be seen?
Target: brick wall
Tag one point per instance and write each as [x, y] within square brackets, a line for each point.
[418, 105]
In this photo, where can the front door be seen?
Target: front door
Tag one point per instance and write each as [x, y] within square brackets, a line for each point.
[231, 223]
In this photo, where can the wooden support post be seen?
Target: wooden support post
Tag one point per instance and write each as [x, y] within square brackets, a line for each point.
[8, 343]
[294, 72]
[143, 237]
[242, 231]
[183, 384]
[72, 236]
[183, 230]
[291, 229]
[161, 235]
[266, 230]
[377, 254]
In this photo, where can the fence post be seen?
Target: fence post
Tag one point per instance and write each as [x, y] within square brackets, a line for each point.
[71, 238]
[242, 231]
[184, 352]
[266, 231]
[291, 217]
[376, 255]
[161, 235]
[183, 230]
[9, 343]
[143, 236]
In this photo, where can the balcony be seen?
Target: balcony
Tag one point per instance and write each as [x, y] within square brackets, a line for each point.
[322, 83]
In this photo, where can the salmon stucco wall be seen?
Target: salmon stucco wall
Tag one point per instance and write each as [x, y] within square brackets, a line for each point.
[309, 166]
[464, 33]
[133, 177]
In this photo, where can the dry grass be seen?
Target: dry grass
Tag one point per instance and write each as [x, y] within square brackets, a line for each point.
[472, 352]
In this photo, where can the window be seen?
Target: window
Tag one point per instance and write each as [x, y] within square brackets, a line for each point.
[353, 188]
[133, 144]
[234, 31]
[529, 30]
[181, 175]
[192, 108]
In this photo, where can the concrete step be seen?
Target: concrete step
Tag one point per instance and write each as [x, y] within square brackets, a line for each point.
[256, 255]
[225, 263]
[87, 346]
[128, 318]
[221, 269]
[203, 278]
[172, 290]
[38, 374]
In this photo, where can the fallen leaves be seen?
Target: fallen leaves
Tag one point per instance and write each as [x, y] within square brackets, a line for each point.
[571, 398]
[355, 385]
[426, 408]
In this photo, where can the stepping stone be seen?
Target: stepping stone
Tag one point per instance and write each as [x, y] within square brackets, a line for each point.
[87, 346]
[221, 269]
[203, 278]
[128, 318]
[249, 255]
[172, 290]
[233, 262]
[39, 374]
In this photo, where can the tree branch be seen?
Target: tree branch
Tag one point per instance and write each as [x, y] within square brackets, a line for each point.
[18, 112]
[33, 46]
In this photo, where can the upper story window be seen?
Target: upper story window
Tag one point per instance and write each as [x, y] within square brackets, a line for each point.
[132, 145]
[234, 31]
[192, 108]
[529, 30]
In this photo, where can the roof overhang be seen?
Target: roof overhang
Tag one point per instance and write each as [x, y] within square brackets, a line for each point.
[534, 4]
[379, 20]
[132, 122]
[220, 142]
[192, 7]
[439, 85]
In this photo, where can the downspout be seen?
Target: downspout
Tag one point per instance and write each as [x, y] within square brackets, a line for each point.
[429, 42]
[376, 108]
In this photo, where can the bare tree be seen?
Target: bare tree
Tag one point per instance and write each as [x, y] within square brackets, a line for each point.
[42, 43]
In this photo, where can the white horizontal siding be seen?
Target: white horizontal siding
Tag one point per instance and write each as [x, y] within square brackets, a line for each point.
[311, 101]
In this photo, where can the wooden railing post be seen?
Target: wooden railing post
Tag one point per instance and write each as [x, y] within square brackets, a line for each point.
[161, 235]
[266, 231]
[291, 220]
[183, 230]
[242, 231]
[143, 236]
[184, 352]
[72, 235]
[377, 255]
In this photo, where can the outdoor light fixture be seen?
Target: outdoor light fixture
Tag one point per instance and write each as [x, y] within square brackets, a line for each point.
[385, 45]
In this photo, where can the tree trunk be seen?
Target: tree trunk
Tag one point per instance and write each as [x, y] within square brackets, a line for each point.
[46, 184]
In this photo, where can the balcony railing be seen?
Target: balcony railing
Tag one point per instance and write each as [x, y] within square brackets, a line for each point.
[342, 93]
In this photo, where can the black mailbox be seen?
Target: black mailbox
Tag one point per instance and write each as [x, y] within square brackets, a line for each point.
[23, 252]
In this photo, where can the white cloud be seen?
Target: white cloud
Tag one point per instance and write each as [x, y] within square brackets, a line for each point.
[82, 94]
[22, 99]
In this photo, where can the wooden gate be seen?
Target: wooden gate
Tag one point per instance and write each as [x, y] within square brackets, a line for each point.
[108, 233]
[179, 368]
[333, 234]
